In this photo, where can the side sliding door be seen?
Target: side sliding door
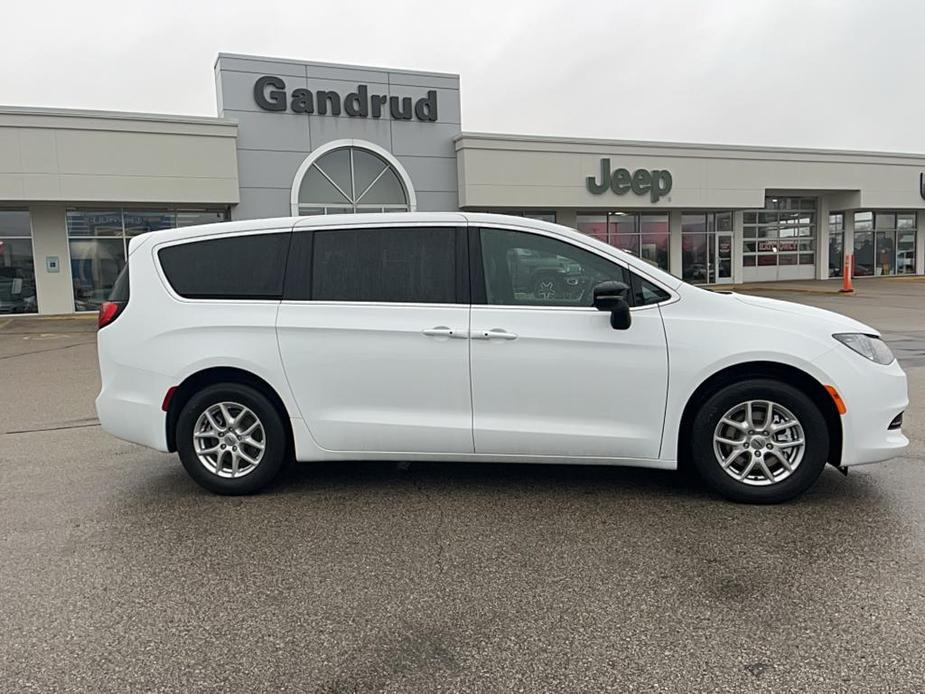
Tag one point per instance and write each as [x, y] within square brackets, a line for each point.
[373, 333]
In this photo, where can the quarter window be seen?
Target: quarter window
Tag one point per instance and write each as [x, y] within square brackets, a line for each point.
[400, 265]
[233, 267]
[523, 269]
[646, 293]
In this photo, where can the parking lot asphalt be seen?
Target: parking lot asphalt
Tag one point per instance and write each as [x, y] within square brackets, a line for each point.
[119, 574]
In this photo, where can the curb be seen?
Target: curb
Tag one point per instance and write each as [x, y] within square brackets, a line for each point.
[88, 315]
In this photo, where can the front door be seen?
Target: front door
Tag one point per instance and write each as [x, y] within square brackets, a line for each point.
[373, 334]
[550, 376]
[723, 255]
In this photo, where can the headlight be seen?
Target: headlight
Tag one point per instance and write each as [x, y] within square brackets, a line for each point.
[873, 348]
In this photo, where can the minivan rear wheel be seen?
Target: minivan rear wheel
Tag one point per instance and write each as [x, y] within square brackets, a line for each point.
[231, 439]
[760, 441]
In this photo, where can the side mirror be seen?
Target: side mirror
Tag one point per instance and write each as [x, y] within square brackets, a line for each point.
[611, 296]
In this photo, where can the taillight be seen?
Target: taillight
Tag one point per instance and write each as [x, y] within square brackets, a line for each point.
[109, 311]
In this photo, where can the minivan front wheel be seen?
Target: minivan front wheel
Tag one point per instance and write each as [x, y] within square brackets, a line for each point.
[231, 439]
[760, 441]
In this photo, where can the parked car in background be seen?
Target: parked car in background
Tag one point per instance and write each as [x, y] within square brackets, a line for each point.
[424, 336]
[905, 262]
[544, 275]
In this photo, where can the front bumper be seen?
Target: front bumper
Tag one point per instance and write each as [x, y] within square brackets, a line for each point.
[874, 395]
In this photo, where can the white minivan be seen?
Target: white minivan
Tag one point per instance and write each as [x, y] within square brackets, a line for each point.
[476, 337]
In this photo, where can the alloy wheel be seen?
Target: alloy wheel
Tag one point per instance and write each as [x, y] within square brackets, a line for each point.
[759, 442]
[229, 440]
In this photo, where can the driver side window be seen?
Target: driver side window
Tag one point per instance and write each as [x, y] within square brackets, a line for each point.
[523, 269]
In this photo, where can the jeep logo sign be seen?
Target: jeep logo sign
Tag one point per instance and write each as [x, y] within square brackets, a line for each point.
[656, 183]
[270, 95]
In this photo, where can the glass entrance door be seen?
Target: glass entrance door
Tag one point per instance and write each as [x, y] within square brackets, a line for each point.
[723, 258]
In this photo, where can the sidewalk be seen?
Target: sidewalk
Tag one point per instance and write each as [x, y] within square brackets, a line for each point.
[832, 286]
[62, 323]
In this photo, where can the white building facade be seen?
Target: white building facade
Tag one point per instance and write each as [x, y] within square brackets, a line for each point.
[293, 137]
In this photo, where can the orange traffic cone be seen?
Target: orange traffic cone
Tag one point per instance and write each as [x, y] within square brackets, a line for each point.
[847, 286]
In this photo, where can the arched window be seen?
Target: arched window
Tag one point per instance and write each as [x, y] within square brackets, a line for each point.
[351, 176]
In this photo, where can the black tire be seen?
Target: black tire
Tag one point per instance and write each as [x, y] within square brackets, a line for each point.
[815, 434]
[275, 439]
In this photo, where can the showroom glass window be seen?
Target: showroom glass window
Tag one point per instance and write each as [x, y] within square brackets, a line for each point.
[642, 234]
[884, 243]
[98, 243]
[593, 225]
[351, 179]
[17, 268]
[783, 233]
[698, 244]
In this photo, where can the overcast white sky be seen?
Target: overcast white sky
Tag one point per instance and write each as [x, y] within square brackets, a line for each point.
[814, 73]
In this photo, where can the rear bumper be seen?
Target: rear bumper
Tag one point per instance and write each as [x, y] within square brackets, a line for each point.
[133, 420]
[874, 395]
[129, 403]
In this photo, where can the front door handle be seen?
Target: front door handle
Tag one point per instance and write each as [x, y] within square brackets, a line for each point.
[443, 331]
[493, 334]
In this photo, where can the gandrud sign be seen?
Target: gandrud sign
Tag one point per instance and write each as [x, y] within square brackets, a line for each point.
[271, 95]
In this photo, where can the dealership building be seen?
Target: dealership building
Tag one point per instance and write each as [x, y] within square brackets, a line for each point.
[306, 138]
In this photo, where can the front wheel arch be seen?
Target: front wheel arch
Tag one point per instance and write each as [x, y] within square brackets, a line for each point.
[752, 370]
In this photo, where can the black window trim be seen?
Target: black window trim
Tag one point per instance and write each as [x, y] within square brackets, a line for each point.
[291, 292]
[477, 272]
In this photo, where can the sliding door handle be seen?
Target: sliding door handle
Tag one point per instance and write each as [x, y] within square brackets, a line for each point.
[443, 331]
[493, 334]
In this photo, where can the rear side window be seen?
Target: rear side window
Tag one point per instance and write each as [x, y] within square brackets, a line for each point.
[401, 265]
[234, 267]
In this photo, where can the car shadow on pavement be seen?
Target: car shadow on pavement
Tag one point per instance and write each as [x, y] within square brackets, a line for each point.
[298, 477]
[459, 480]
[459, 477]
